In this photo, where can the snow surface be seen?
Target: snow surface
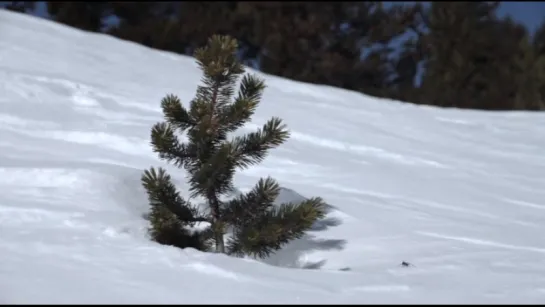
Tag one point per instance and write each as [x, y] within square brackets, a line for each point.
[458, 194]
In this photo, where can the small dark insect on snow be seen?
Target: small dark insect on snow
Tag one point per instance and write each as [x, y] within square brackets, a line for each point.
[405, 264]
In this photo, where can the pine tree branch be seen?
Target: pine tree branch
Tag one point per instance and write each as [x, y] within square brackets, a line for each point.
[167, 145]
[165, 228]
[170, 214]
[276, 228]
[175, 113]
[207, 237]
[220, 66]
[215, 175]
[244, 106]
[247, 208]
[162, 192]
[252, 148]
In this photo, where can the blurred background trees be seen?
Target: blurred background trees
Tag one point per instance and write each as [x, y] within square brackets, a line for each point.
[449, 54]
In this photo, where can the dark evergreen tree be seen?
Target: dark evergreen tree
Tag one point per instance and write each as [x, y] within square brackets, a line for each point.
[529, 77]
[538, 64]
[406, 65]
[454, 46]
[20, 6]
[305, 42]
[87, 16]
[323, 43]
[458, 41]
[297, 40]
[152, 24]
[258, 228]
[199, 20]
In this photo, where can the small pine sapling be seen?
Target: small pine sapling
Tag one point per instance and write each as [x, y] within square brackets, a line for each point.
[257, 227]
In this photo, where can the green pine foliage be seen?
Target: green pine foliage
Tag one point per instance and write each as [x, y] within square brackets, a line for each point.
[210, 158]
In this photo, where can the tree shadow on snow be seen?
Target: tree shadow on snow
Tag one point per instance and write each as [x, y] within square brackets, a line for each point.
[292, 255]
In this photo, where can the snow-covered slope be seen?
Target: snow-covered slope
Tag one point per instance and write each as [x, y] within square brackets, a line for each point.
[458, 194]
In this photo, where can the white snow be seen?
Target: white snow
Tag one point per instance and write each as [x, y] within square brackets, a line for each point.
[458, 194]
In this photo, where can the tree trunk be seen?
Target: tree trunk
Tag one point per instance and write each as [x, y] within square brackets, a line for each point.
[217, 226]
[220, 245]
